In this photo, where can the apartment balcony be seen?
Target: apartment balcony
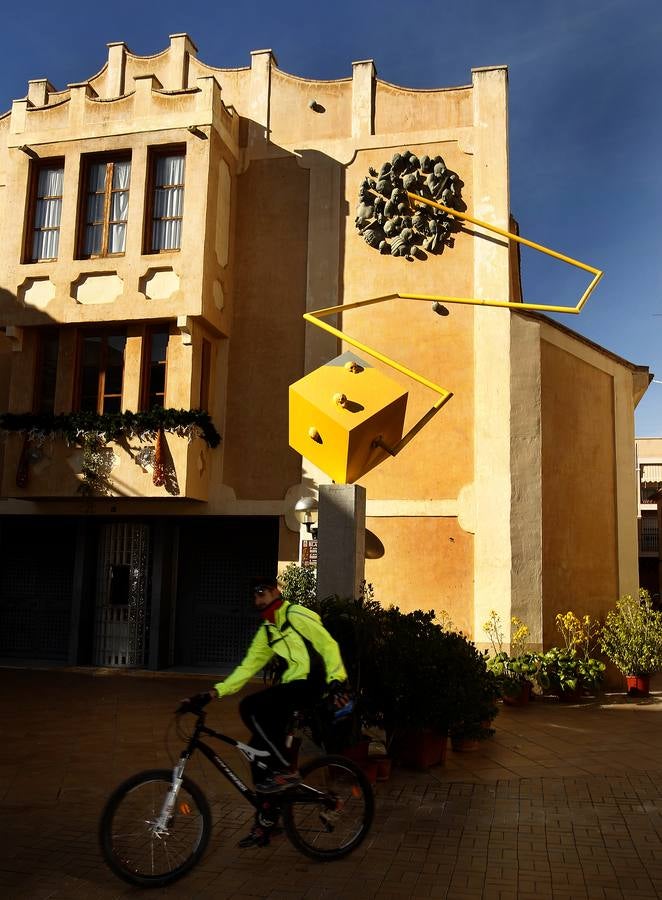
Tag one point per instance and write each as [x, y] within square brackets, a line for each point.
[49, 468]
[649, 536]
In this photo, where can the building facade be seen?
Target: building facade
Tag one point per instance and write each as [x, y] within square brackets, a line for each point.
[649, 484]
[165, 226]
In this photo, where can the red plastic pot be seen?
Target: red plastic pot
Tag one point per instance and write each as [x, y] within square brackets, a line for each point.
[638, 685]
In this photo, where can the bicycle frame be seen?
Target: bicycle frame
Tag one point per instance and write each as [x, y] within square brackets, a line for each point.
[309, 794]
[195, 743]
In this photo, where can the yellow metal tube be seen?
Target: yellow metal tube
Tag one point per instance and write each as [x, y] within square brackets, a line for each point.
[505, 304]
[507, 234]
[316, 319]
[445, 395]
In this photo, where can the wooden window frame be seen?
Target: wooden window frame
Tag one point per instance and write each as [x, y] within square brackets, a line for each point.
[38, 381]
[104, 334]
[31, 208]
[146, 362]
[154, 153]
[87, 162]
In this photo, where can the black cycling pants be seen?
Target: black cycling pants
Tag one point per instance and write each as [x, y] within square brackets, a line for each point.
[267, 715]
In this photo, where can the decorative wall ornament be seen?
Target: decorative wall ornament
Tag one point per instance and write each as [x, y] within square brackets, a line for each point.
[389, 223]
[145, 458]
[188, 423]
[159, 474]
[92, 432]
[97, 465]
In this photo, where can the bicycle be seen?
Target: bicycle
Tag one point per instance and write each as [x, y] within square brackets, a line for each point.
[156, 825]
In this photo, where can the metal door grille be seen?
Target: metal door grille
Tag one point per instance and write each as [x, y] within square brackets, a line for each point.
[36, 587]
[219, 559]
[122, 595]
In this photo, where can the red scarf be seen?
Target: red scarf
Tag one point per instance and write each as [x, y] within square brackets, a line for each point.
[269, 612]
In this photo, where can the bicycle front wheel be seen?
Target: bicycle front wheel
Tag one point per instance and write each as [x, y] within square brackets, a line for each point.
[141, 848]
[330, 813]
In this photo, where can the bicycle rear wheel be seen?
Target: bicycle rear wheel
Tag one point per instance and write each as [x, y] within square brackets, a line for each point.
[132, 843]
[330, 813]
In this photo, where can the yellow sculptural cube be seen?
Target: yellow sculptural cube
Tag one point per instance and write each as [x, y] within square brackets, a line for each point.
[340, 410]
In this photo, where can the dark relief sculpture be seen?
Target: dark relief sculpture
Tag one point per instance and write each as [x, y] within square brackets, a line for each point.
[390, 223]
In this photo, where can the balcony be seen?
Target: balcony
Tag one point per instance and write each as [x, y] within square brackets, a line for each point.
[649, 536]
[51, 468]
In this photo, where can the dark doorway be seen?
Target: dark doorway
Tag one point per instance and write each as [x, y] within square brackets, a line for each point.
[219, 560]
[37, 558]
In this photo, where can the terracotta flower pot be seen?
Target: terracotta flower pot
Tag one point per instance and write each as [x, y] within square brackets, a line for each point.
[570, 696]
[521, 698]
[421, 748]
[464, 745]
[383, 768]
[359, 754]
[638, 685]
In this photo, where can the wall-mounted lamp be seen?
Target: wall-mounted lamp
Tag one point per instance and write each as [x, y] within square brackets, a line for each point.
[197, 131]
[305, 512]
[374, 549]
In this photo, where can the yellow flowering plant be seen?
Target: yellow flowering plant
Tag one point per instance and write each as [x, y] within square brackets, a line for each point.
[514, 669]
[571, 669]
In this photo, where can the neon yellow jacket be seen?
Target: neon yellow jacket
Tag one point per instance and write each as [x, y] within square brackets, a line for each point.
[289, 645]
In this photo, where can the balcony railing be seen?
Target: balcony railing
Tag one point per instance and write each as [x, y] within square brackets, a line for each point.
[649, 535]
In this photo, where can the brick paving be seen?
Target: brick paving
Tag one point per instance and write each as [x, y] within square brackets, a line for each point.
[564, 802]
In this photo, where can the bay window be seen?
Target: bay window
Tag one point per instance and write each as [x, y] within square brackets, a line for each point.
[155, 364]
[166, 201]
[106, 207]
[46, 211]
[101, 371]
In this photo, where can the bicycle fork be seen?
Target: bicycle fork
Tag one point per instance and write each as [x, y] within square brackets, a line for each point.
[161, 824]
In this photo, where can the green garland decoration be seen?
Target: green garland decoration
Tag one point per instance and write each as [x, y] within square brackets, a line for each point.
[74, 427]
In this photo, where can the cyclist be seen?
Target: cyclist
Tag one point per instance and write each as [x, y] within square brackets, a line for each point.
[296, 636]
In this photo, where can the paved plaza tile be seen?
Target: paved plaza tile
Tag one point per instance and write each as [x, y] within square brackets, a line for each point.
[563, 802]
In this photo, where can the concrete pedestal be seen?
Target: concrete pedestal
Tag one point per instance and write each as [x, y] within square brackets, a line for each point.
[341, 540]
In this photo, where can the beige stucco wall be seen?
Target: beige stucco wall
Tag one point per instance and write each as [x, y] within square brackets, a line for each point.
[266, 351]
[428, 564]
[441, 348]
[649, 447]
[580, 552]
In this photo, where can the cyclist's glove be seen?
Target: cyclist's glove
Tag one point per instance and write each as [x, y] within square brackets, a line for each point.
[196, 703]
[340, 694]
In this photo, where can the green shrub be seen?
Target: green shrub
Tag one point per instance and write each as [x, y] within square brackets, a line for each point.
[299, 585]
[632, 636]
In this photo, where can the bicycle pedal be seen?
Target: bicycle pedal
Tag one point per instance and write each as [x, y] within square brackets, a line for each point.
[329, 819]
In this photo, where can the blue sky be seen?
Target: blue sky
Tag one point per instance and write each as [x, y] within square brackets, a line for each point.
[585, 114]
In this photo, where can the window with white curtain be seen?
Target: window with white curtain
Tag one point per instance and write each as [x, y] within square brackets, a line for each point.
[167, 202]
[47, 212]
[106, 207]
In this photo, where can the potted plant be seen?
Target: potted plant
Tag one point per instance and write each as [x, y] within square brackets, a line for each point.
[571, 670]
[516, 671]
[632, 639]
[435, 683]
[411, 677]
[357, 625]
[480, 711]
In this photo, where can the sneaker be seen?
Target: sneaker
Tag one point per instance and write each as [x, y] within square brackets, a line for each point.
[257, 837]
[376, 749]
[277, 782]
